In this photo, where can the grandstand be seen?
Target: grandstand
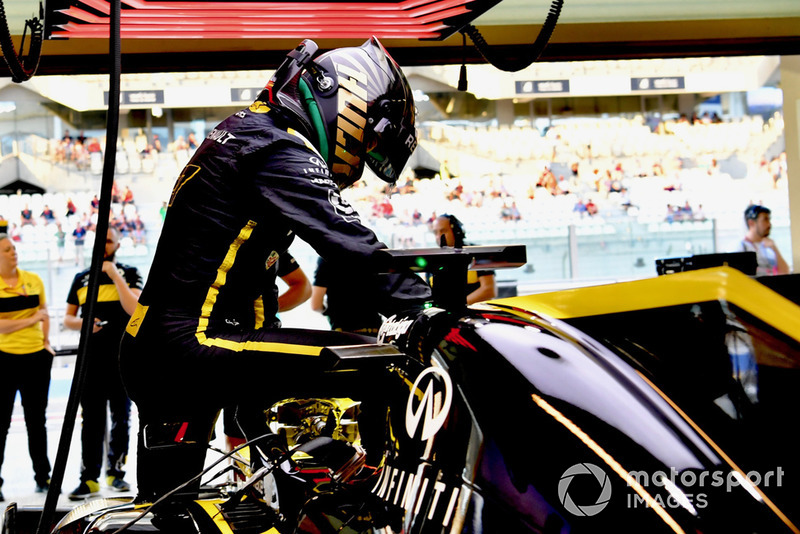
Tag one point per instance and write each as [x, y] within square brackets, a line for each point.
[676, 163]
[493, 167]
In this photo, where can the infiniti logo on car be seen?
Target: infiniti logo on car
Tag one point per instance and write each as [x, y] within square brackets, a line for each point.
[433, 407]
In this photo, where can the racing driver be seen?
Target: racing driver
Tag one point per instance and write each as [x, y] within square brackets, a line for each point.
[264, 175]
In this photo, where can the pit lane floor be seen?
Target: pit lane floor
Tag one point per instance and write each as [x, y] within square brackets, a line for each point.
[17, 470]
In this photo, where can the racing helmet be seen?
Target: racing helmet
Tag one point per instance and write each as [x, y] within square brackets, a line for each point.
[354, 102]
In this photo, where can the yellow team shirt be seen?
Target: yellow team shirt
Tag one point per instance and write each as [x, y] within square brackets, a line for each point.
[19, 302]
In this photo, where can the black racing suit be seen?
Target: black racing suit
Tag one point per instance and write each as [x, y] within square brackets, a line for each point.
[266, 317]
[191, 346]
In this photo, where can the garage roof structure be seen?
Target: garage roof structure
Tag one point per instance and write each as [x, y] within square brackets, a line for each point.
[169, 35]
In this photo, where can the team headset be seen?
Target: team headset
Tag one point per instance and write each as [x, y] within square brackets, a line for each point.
[299, 59]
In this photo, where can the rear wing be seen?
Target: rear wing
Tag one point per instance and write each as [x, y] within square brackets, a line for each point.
[448, 267]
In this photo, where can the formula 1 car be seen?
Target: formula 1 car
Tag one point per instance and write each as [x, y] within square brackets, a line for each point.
[658, 405]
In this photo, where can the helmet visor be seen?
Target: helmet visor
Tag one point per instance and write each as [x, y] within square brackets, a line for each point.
[393, 147]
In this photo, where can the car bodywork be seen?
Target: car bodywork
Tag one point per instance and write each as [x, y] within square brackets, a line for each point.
[660, 405]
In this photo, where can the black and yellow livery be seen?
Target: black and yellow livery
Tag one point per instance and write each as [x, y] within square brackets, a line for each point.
[251, 187]
[717, 284]
[473, 280]
[25, 365]
[104, 394]
[660, 406]
[19, 302]
[723, 348]
[263, 176]
[108, 306]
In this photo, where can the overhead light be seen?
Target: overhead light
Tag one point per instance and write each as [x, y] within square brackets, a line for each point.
[157, 112]
[164, 19]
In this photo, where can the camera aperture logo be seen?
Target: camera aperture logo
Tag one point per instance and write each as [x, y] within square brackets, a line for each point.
[670, 489]
[584, 470]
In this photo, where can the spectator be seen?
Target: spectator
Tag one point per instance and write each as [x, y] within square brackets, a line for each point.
[385, 208]
[26, 359]
[138, 232]
[510, 212]
[670, 216]
[72, 209]
[579, 207]
[61, 239]
[26, 217]
[759, 224]
[127, 196]
[699, 214]
[120, 225]
[625, 199]
[686, 213]
[408, 187]
[48, 215]
[88, 221]
[93, 147]
[80, 155]
[14, 233]
[115, 196]
[79, 236]
[140, 141]
[181, 144]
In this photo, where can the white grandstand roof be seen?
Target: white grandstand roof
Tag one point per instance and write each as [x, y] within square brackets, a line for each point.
[589, 78]
[607, 78]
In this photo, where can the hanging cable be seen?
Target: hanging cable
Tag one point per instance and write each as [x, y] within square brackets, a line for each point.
[532, 52]
[22, 69]
[98, 252]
